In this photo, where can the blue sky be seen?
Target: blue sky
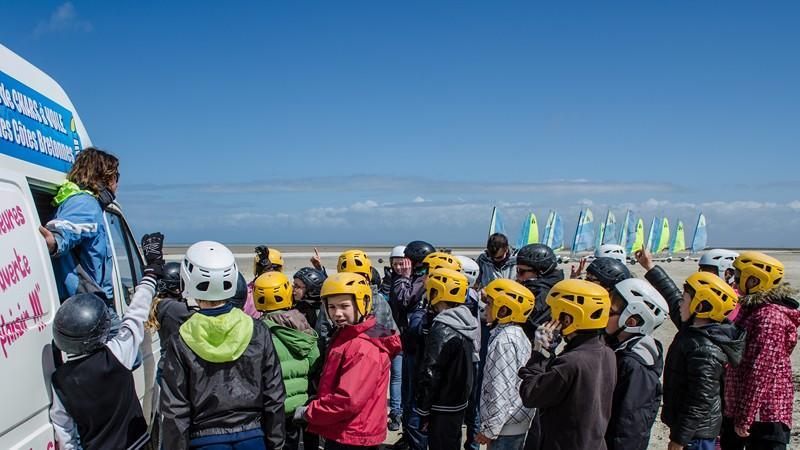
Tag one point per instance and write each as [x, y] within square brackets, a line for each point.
[379, 122]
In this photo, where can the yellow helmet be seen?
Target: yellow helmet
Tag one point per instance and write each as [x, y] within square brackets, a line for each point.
[713, 290]
[765, 268]
[446, 285]
[276, 258]
[514, 296]
[345, 283]
[273, 257]
[272, 291]
[587, 303]
[355, 261]
[441, 260]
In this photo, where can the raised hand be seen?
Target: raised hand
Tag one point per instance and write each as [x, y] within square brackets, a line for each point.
[576, 272]
[404, 268]
[316, 260]
[644, 258]
[153, 250]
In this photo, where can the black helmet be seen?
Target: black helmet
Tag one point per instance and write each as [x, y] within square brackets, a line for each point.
[313, 280]
[538, 257]
[240, 297]
[170, 283]
[375, 280]
[82, 324]
[416, 251]
[608, 271]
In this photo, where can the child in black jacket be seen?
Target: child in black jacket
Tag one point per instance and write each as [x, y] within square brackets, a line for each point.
[637, 309]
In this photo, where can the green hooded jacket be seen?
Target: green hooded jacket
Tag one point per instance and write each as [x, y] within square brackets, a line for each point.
[299, 356]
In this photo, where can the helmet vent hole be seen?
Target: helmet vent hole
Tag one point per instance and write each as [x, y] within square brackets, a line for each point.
[454, 291]
[227, 285]
[278, 299]
[596, 314]
[261, 300]
[190, 266]
[434, 294]
[203, 287]
[570, 298]
[580, 299]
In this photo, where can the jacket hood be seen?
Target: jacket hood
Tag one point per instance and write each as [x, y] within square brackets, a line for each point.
[218, 339]
[386, 340]
[67, 190]
[646, 349]
[298, 343]
[461, 320]
[729, 337]
[782, 294]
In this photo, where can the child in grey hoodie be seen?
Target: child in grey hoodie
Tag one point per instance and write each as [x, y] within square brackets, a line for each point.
[445, 377]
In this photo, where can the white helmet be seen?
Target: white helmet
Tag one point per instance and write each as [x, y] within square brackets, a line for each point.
[720, 258]
[611, 251]
[398, 252]
[209, 272]
[643, 300]
[469, 268]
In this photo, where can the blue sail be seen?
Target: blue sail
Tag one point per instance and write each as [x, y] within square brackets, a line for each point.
[700, 239]
[584, 233]
[497, 225]
[598, 239]
[625, 230]
[558, 233]
[655, 235]
[609, 230]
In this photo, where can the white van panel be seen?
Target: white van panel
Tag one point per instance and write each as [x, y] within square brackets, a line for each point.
[27, 305]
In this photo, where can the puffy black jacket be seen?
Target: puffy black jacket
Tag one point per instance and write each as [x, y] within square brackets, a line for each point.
[637, 395]
[240, 393]
[667, 288]
[541, 311]
[693, 377]
[444, 378]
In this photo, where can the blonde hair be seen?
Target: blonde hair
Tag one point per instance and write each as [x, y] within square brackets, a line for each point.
[152, 323]
[94, 170]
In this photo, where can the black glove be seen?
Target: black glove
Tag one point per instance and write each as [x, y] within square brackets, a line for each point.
[262, 253]
[152, 247]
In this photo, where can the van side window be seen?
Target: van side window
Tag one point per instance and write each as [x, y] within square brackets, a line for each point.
[125, 251]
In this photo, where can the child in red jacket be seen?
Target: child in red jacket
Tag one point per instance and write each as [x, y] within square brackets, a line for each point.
[759, 392]
[350, 408]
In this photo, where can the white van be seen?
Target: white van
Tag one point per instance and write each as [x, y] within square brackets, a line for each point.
[40, 132]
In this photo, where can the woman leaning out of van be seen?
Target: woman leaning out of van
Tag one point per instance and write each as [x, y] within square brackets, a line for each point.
[77, 237]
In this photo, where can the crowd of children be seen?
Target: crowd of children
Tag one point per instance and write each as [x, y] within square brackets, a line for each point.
[503, 345]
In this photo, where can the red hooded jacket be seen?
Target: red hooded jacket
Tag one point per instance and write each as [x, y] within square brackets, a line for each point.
[760, 387]
[350, 407]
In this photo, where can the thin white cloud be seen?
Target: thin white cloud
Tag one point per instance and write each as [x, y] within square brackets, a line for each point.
[425, 186]
[64, 18]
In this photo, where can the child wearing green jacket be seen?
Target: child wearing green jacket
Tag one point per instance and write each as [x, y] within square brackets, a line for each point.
[296, 344]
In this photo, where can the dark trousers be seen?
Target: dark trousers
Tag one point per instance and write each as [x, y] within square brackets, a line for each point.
[763, 436]
[412, 427]
[294, 432]
[330, 445]
[534, 439]
[444, 430]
